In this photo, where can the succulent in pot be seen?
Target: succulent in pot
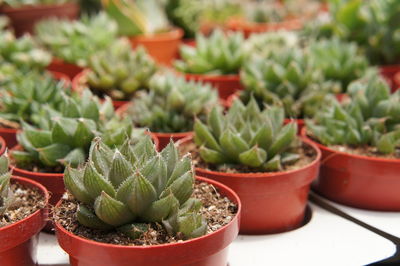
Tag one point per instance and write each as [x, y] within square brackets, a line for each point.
[22, 98]
[74, 42]
[360, 137]
[119, 71]
[22, 216]
[254, 153]
[138, 196]
[215, 60]
[145, 23]
[169, 108]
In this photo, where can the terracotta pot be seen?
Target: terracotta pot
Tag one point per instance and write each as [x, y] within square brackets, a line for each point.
[9, 134]
[211, 249]
[18, 243]
[3, 145]
[163, 47]
[389, 72]
[359, 181]
[272, 202]
[396, 81]
[164, 138]
[58, 65]
[226, 84]
[23, 19]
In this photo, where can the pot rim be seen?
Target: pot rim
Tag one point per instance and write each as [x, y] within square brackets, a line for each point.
[44, 192]
[265, 174]
[175, 33]
[30, 8]
[232, 196]
[356, 156]
[201, 77]
[167, 135]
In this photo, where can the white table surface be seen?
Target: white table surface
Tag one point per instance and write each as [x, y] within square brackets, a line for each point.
[326, 240]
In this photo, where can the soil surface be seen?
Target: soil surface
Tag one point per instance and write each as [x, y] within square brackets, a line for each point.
[27, 201]
[217, 210]
[307, 155]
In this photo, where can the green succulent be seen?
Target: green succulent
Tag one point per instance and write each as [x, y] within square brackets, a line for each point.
[119, 71]
[6, 195]
[247, 136]
[267, 43]
[125, 189]
[220, 11]
[287, 77]
[22, 52]
[372, 118]
[63, 137]
[219, 54]
[339, 61]
[21, 3]
[265, 12]
[24, 95]
[185, 14]
[172, 104]
[76, 41]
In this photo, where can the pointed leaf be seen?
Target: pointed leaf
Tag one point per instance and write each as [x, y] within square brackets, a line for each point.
[120, 169]
[73, 181]
[87, 218]
[95, 183]
[111, 211]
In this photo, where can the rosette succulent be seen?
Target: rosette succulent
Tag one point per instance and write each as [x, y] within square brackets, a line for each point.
[24, 96]
[126, 188]
[63, 137]
[372, 118]
[6, 195]
[119, 71]
[219, 54]
[247, 136]
[76, 41]
[288, 78]
[269, 42]
[172, 103]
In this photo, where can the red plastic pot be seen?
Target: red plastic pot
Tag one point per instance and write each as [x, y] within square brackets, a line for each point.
[359, 181]
[58, 65]
[3, 145]
[211, 249]
[164, 138]
[163, 47]
[18, 241]
[226, 84]
[396, 81]
[23, 19]
[9, 134]
[389, 72]
[272, 202]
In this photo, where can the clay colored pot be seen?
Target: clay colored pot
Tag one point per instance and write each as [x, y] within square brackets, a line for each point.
[164, 138]
[396, 81]
[211, 249]
[23, 19]
[58, 65]
[226, 84]
[272, 202]
[389, 72]
[18, 243]
[163, 47]
[3, 145]
[358, 181]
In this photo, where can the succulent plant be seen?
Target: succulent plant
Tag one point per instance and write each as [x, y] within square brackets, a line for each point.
[286, 77]
[24, 95]
[22, 52]
[247, 136]
[185, 14]
[6, 195]
[137, 17]
[220, 11]
[219, 54]
[119, 71]
[20, 3]
[371, 118]
[172, 104]
[339, 61]
[64, 137]
[76, 41]
[127, 188]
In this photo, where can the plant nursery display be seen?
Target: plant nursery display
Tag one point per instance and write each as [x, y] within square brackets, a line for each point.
[169, 108]
[118, 71]
[22, 216]
[141, 198]
[145, 23]
[251, 151]
[215, 59]
[358, 139]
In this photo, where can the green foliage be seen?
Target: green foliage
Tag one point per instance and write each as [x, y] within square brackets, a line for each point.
[63, 137]
[6, 195]
[76, 41]
[125, 188]
[247, 136]
[218, 54]
[119, 71]
[372, 118]
[185, 14]
[172, 104]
